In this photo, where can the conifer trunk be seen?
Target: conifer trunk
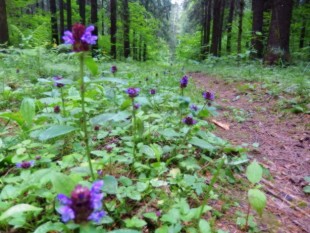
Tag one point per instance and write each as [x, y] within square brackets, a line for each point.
[229, 25]
[126, 24]
[82, 11]
[55, 37]
[113, 10]
[240, 22]
[216, 27]
[61, 18]
[4, 31]
[257, 27]
[69, 15]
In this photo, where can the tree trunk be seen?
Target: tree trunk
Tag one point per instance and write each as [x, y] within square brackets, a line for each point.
[239, 39]
[82, 11]
[302, 33]
[4, 31]
[126, 24]
[229, 25]
[102, 18]
[144, 52]
[113, 10]
[208, 26]
[94, 19]
[55, 37]
[69, 15]
[140, 48]
[61, 18]
[221, 26]
[257, 28]
[134, 45]
[279, 32]
[216, 27]
[204, 8]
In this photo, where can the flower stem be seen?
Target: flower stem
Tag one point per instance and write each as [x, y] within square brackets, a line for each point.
[63, 102]
[210, 187]
[84, 117]
[133, 127]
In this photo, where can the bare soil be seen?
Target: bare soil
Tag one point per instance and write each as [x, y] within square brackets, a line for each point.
[283, 141]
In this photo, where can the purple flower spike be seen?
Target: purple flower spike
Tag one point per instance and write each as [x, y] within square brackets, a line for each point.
[133, 92]
[67, 213]
[97, 216]
[113, 69]
[80, 37]
[194, 107]
[97, 186]
[152, 91]
[57, 109]
[184, 82]
[57, 83]
[207, 95]
[25, 164]
[189, 120]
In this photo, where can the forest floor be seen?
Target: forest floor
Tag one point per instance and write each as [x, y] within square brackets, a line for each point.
[279, 140]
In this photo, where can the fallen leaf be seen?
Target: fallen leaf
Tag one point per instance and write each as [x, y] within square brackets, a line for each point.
[220, 124]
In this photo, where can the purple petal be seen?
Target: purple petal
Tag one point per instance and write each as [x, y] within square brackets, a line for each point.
[96, 216]
[96, 200]
[66, 212]
[68, 37]
[97, 186]
[63, 199]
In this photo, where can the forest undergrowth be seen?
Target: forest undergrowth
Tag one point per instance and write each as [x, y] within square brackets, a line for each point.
[69, 122]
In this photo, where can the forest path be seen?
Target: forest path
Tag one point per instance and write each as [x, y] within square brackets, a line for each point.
[283, 141]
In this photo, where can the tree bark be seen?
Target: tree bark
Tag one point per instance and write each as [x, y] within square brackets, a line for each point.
[279, 32]
[55, 37]
[94, 19]
[69, 15]
[207, 6]
[126, 24]
[239, 39]
[229, 25]
[221, 26]
[134, 45]
[102, 17]
[216, 27]
[257, 28]
[82, 11]
[144, 52]
[61, 18]
[113, 10]
[4, 31]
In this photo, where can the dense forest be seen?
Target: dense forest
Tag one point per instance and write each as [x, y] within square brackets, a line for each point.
[154, 116]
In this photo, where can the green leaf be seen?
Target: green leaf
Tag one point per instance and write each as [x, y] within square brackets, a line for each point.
[18, 209]
[135, 222]
[110, 185]
[55, 131]
[148, 151]
[204, 226]
[306, 189]
[62, 183]
[124, 231]
[105, 117]
[50, 227]
[202, 144]
[254, 172]
[257, 200]
[91, 65]
[169, 133]
[28, 110]
[151, 215]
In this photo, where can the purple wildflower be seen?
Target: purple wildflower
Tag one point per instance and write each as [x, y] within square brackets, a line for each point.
[80, 37]
[97, 128]
[57, 109]
[158, 213]
[38, 157]
[57, 81]
[25, 164]
[108, 148]
[184, 82]
[152, 91]
[207, 95]
[84, 204]
[133, 92]
[189, 120]
[113, 69]
[194, 107]
[136, 106]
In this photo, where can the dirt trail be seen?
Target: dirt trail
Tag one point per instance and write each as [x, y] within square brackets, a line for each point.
[284, 146]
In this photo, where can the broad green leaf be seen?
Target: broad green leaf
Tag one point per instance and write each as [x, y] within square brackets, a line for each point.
[306, 189]
[202, 144]
[151, 215]
[88, 228]
[257, 200]
[28, 110]
[169, 133]
[254, 172]
[18, 209]
[148, 151]
[135, 222]
[105, 117]
[204, 226]
[173, 216]
[110, 185]
[62, 183]
[124, 231]
[50, 227]
[91, 65]
[55, 131]
[162, 229]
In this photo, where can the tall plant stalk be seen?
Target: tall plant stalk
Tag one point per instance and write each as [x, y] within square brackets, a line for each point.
[84, 117]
